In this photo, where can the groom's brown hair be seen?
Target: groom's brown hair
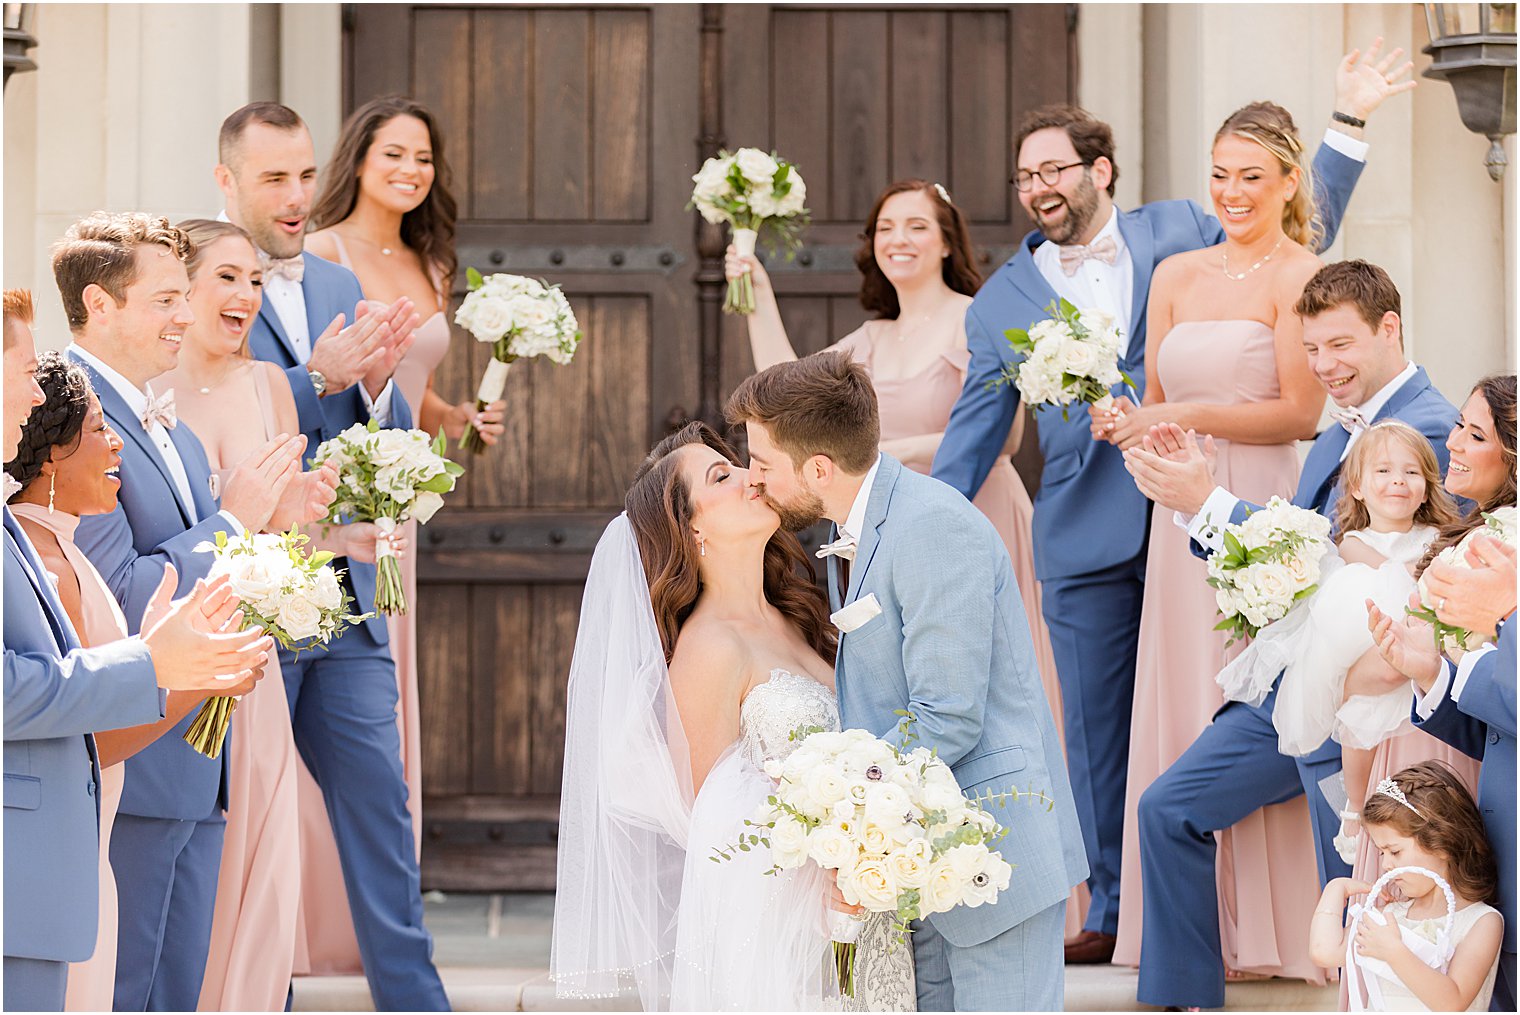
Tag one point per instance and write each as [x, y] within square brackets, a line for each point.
[822, 404]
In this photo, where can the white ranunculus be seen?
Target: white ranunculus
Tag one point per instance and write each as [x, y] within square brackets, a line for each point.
[830, 848]
[939, 796]
[857, 792]
[299, 617]
[887, 804]
[827, 784]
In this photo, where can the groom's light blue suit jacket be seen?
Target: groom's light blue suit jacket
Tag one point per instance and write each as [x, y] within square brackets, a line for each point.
[56, 694]
[1088, 513]
[952, 646]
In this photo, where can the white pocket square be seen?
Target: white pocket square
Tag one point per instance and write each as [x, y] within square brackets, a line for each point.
[857, 614]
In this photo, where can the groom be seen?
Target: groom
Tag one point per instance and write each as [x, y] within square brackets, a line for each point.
[932, 624]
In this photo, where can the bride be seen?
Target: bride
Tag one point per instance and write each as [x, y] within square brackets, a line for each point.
[702, 644]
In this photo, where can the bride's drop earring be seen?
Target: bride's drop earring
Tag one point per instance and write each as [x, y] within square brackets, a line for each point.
[52, 482]
[701, 547]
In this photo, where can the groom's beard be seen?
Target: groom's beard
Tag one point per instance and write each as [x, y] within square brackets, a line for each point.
[805, 511]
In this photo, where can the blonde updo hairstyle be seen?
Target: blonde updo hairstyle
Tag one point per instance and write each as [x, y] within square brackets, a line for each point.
[1272, 127]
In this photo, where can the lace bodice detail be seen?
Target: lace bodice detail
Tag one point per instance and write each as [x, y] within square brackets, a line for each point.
[775, 708]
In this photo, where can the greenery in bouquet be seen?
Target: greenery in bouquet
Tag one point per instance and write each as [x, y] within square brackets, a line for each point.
[1270, 562]
[1450, 639]
[519, 318]
[757, 194]
[387, 476]
[1071, 356]
[294, 596]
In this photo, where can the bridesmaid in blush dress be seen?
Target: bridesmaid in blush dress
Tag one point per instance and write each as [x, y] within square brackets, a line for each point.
[65, 463]
[385, 212]
[918, 277]
[1224, 356]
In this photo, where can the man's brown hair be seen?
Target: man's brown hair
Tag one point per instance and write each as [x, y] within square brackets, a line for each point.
[1364, 286]
[229, 139]
[1091, 137]
[822, 404]
[101, 249]
[18, 310]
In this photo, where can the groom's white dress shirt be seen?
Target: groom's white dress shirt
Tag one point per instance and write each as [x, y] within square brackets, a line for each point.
[1106, 287]
[1207, 526]
[855, 521]
[137, 400]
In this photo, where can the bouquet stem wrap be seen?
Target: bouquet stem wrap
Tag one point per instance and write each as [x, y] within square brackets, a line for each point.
[844, 931]
[741, 291]
[492, 384]
[390, 594]
[208, 732]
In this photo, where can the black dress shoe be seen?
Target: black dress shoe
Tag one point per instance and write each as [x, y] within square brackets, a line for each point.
[1090, 947]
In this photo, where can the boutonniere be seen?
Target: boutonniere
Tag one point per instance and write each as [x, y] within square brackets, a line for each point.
[857, 614]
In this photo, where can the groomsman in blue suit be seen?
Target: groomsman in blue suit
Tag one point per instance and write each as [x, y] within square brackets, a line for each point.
[56, 695]
[1090, 523]
[124, 287]
[1472, 708]
[342, 699]
[1354, 340]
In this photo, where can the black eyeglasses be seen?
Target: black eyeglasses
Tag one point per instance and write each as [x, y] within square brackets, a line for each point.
[1049, 173]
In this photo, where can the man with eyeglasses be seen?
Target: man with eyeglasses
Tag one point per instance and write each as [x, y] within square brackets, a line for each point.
[1090, 521]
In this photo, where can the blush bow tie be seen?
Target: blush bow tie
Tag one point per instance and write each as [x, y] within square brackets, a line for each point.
[843, 548]
[1102, 249]
[159, 410]
[293, 268]
[1352, 419]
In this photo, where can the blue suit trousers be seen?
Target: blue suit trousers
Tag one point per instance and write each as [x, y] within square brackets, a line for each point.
[979, 978]
[1232, 769]
[166, 875]
[1094, 623]
[35, 984]
[343, 713]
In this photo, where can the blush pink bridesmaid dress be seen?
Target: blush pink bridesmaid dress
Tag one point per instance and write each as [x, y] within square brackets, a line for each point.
[1268, 880]
[91, 983]
[326, 945]
[913, 406]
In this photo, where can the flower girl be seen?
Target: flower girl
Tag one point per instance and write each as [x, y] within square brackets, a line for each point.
[1391, 507]
[1433, 942]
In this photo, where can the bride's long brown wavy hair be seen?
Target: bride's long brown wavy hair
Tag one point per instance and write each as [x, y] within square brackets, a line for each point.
[659, 508]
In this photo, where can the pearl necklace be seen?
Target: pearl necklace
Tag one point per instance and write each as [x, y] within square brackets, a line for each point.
[1224, 258]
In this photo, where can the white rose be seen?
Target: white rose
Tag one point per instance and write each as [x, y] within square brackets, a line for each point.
[326, 591]
[712, 180]
[874, 839]
[300, 618]
[1049, 331]
[758, 167]
[253, 580]
[773, 768]
[491, 319]
[1303, 569]
[910, 864]
[1270, 582]
[796, 198]
[875, 887]
[942, 890]
[845, 814]
[938, 796]
[829, 847]
[789, 842]
[1099, 323]
[857, 792]
[1078, 357]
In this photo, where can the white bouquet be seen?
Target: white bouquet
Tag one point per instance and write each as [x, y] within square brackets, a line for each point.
[751, 191]
[296, 597]
[892, 821]
[519, 318]
[1071, 356]
[1501, 525]
[1270, 562]
[387, 477]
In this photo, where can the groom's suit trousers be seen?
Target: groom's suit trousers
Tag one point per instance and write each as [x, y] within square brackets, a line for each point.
[980, 978]
[1231, 770]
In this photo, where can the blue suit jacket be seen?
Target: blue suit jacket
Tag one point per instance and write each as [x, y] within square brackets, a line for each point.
[1482, 726]
[151, 527]
[55, 694]
[952, 645]
[1088, 514]
[330, 289]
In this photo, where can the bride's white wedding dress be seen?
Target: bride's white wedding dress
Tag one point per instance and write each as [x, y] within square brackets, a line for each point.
[749, 941]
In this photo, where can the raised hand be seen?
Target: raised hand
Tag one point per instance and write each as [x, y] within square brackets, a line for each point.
[1407, 644]
[1364, 82]
[255, 487]
[1477, 599]
[734, 265]
[344, 355]
[194, 641]
[307, 498]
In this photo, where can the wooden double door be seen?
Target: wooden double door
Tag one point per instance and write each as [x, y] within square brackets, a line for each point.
[572, 134]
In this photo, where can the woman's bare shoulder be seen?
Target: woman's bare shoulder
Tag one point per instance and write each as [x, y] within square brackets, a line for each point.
[322, 244]
[711, 649]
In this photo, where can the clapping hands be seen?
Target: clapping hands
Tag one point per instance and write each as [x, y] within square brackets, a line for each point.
[1171, 469]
